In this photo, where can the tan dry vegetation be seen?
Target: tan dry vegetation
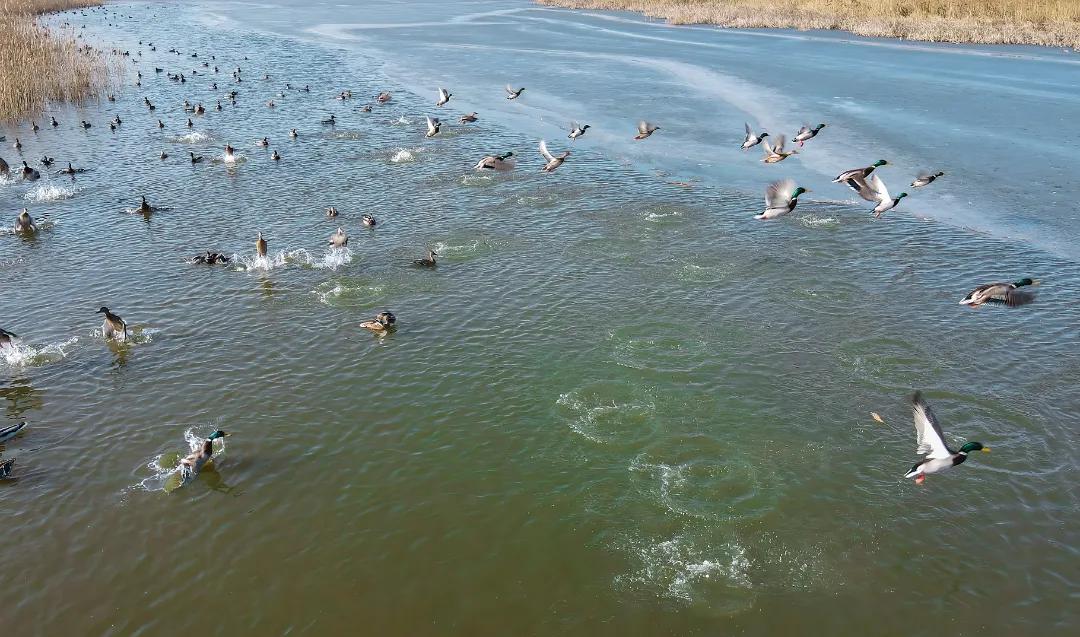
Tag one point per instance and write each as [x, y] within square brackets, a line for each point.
[40, 65]
[1040, 22]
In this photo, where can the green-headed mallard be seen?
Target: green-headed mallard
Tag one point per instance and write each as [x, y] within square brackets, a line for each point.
[553, 162]
[113, 327]
[368, 220]
[645, 129]
[384, 322]
[931, 442]
[512, 94]
[864, 172]
[577, 130]
[752, 138]
[193, 464]
[444, 97]
[806, 133]
[873, 189]
[1008, 294]
[781, 197]
[925, 178]
[433, 125]
[495, 162]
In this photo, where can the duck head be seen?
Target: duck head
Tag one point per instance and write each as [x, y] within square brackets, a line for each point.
[798, 191]
[217, 434]
[974, 446]
[879, 163]
[1025, 282]
[386, 318]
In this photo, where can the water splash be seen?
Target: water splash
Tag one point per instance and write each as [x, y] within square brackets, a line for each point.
[404, 155]
[335, 258]
[20, 355]
[165, 474]
[43, 193]
[678, 568]
[249, 262]
[191, 138]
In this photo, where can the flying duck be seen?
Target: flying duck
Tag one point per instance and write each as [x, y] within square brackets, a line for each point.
[469, 118]
[113, 326]
[873, 189]
[806, 133]
[511, 94]
[752, 138]
[775, 154]
[577, 130]
[433, 125]
[931, 443]
[1008, 294]
[781, 197]
[925, 178]
[553, 162]
[495, 162]
[444, 97]
[645, 129]
[848, 175]
[384, 322]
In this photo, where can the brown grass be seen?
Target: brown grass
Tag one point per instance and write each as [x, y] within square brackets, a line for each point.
[1040, 22]
[40, 65]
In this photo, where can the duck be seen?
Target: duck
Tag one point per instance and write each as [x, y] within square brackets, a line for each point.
[925, 178]
[218, 106]
[53, 122]
[29, 173]
[17, 145]
[112, 127]
[195, 158]
[116, 120]
[752, 138]
[512, 94]
[577, 130]
[444, 97]
[270, 104]
[428, 261]
[4, 167]
[469, 118]
[71, 170]
[553, 162]
[260, 245]
[7, 339]
[113, 327]
[210, 258]
[873, 189]
[781, 197]
[160, 124]
[366, 108]
[263, 142]
[200, 109]
[330, 121]
[193, 464]
[645, 129]
[339, 239]
[24, 223]
[47, 161]
[6, 467]
[806, 133]
[230, 153]
[275, 156]
[384, 97]
[331, 212]
[145, 208]
[775, 153]
[190, 124]
[34, 127]
[495, 162]
[7, 433]
[864, 172]
[293, 134]
[86, 125]
[1008, 294]
[368, 220]
[383, 322]
[433, 125]
[931, 443]
[164, 155]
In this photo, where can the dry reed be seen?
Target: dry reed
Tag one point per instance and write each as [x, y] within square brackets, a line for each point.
[42, 64]
[1039, 22]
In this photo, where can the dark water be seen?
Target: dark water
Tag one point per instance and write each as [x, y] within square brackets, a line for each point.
[618, 406]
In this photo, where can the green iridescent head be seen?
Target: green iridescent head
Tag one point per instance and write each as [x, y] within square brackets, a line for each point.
[798, 191]
[879, 163]
[974, 446]
[217, 434]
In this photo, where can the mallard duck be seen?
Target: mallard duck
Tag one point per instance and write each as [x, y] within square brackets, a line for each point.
[24, 224]
[29, 173]
[218, 106]
[7, 339]
[553, 162]
[781, 197]
[145, 208]
[112, 127]
[931, 442]
[7, 433]
[230, 153]
[193, 464]
[6, 467]
[116, 120]
[469, 118]
[384, 97]
[330, 121]
[848, 175]
[70, 170]
[428, 261]
[47, 161]
[200, 110]
[210, 258]
[293, 134]
[339, 239]
[160, 124]
[275, 156]
[1008, 294]
[195, 158]
[752, 139]
[86, 125]
[511, 94]
[113, 326]
[263, 142]
[577, 130]
[775, 153]
[806, 133]
[444, 97]
[270, 104]
[368, 220]
[645, 129]
[433, 125]
[260, 245]
[873, 189]
[34, 127]
[495, 162]
[366, 108]
[925, 178]
[331, 212]
[384, 322]
[53, 122]
[164, 155]
[190, 124]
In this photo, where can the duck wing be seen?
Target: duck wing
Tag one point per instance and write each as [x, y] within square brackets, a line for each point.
[778, 147]
[928, 433]
[778, 193]
[9, 432]
[859, 185]
[878, 186]
[545, 152]
[1016, 297]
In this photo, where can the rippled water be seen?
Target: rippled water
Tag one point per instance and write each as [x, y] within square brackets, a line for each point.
[618, 406]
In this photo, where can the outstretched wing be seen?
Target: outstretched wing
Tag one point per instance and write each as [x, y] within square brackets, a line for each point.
[509, 89]
[778, 147]
[878, 187]
[778, 193]
[544, 151]
[859, 185]
[928, 433]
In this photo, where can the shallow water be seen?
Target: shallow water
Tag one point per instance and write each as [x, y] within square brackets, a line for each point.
[618, 406]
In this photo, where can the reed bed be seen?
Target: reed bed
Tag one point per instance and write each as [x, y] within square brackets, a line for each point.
[1039, 22]
[41, 64]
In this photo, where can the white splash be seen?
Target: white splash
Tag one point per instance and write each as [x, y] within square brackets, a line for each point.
[246, 263]
[18, 354]
[48, 192]
[335, 258]
[191, 138]
[403, 156]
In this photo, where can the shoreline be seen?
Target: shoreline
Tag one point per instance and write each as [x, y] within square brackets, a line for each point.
[1049, 26]
[44, 64]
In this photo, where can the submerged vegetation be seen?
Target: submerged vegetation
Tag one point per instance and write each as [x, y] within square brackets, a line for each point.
[1041, 22]
[42, 64]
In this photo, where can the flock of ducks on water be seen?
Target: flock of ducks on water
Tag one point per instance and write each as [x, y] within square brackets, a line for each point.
[781, 198]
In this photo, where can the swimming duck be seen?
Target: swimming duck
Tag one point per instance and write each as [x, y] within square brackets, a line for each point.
[112, 127]
[145, 208]
[366, 108]
[193, 464]
[4, 168]
[931, 442]
[52, 120]
[307, 88]
[511, 94]
[331, 121]
[71, 170]
[17, 145]
[469, 118]
[160, 124]
[34, 127]
[806, 133]
[47, 161]
[7, 433]
[433, 125]
[553, 162]
[195, 158]
[925, 178]
[1008, 294]
[368, 220]
[164, 155]
[444, 97]
[577, 130]
[218, 107]
[28, 173]
[752, 138]
[24, 223]
[781, 197]
[384, 322]
[339, 239]
[260, 245]
[275, 156]
[495, 162]
[384, 97]
[775, 154]
[428, 261]
[86, 124]
[263, 142]
[7, 339]
[113, 326]
[200, 110]
[848, 175]
[270, 104]
[873, 189]
[230, 153]
[116, 120]
[331, 212]
[293, 134]
[210, 258]
[190, 124]
[645, 129]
